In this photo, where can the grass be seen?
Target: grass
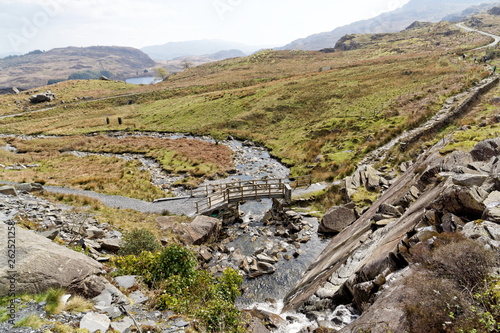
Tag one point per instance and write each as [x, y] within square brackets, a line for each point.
[31, 321]
[112, 175]
[122, 219]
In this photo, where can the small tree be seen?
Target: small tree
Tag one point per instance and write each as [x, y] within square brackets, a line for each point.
[161, 73]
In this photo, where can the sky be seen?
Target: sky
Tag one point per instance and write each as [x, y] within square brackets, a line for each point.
[27, 25]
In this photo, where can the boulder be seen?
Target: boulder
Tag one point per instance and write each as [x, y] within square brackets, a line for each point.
[94, 321]
[336, 219]
[460, 201]
[29, 187]
[200, 230]
[111, 244]
[9, 190]
[372, 178]
[469, 179]
[486, 149]
[390, 210]
[47, 96]
[41, 264]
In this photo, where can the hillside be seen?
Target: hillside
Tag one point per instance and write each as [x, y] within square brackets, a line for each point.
[397, 20]
[399, 230]
[37, 68]
[282, 100]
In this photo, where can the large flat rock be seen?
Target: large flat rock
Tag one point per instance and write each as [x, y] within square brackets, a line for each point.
[41, 264]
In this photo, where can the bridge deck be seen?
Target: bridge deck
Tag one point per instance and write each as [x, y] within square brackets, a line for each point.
[246, 190]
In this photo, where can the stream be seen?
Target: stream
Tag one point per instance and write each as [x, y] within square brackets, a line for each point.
[267, 291]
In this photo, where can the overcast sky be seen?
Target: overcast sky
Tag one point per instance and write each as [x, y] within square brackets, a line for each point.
[27, 25]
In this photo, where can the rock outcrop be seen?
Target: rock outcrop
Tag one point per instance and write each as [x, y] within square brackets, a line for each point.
[47, 96]
[436, 194]
[41, 264]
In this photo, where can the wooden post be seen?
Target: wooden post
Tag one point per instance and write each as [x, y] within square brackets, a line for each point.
[197, 208]
[209, 202]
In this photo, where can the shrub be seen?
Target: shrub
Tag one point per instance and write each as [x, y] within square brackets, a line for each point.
[210, 299]
[451, 256]
[174, 260]
[142, 264]
[139, 240]
[432, 303]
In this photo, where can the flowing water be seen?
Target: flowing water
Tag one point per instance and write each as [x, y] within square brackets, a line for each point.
[268, 291]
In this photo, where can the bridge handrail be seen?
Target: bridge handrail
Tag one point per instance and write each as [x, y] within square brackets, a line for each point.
[248, 189]
[207, 190]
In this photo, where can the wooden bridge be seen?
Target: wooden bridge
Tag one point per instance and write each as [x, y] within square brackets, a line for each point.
[220, 194]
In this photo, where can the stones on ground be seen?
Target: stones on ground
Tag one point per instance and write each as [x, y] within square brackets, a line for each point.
[337, 219]
[126, 281]
[95, 321]
[123, 326]
[138, 297]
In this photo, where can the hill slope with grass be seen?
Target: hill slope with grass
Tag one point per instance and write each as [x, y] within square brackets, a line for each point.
[38, 67]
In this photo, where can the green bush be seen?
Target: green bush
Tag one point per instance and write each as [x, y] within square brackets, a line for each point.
[210, 299]
[139, 240]
[174, 260]
[184, 290]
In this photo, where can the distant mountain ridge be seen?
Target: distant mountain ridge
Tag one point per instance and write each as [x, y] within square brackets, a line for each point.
[174, 50]
[397, 20]
[38, 67]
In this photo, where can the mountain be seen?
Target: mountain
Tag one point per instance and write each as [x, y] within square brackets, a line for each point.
[397, 20]
[181, 63]
[38, 67]
[173, 50]
[484, 7]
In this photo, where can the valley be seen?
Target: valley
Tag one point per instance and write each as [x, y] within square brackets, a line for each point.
[398, 133]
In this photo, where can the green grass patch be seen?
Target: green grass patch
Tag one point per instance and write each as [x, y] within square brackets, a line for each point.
[32, 321]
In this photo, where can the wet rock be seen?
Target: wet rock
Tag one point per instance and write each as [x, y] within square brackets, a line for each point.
[336, 219]
[94, 321]
[272, 320]
[265, 258]
[205, 254]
